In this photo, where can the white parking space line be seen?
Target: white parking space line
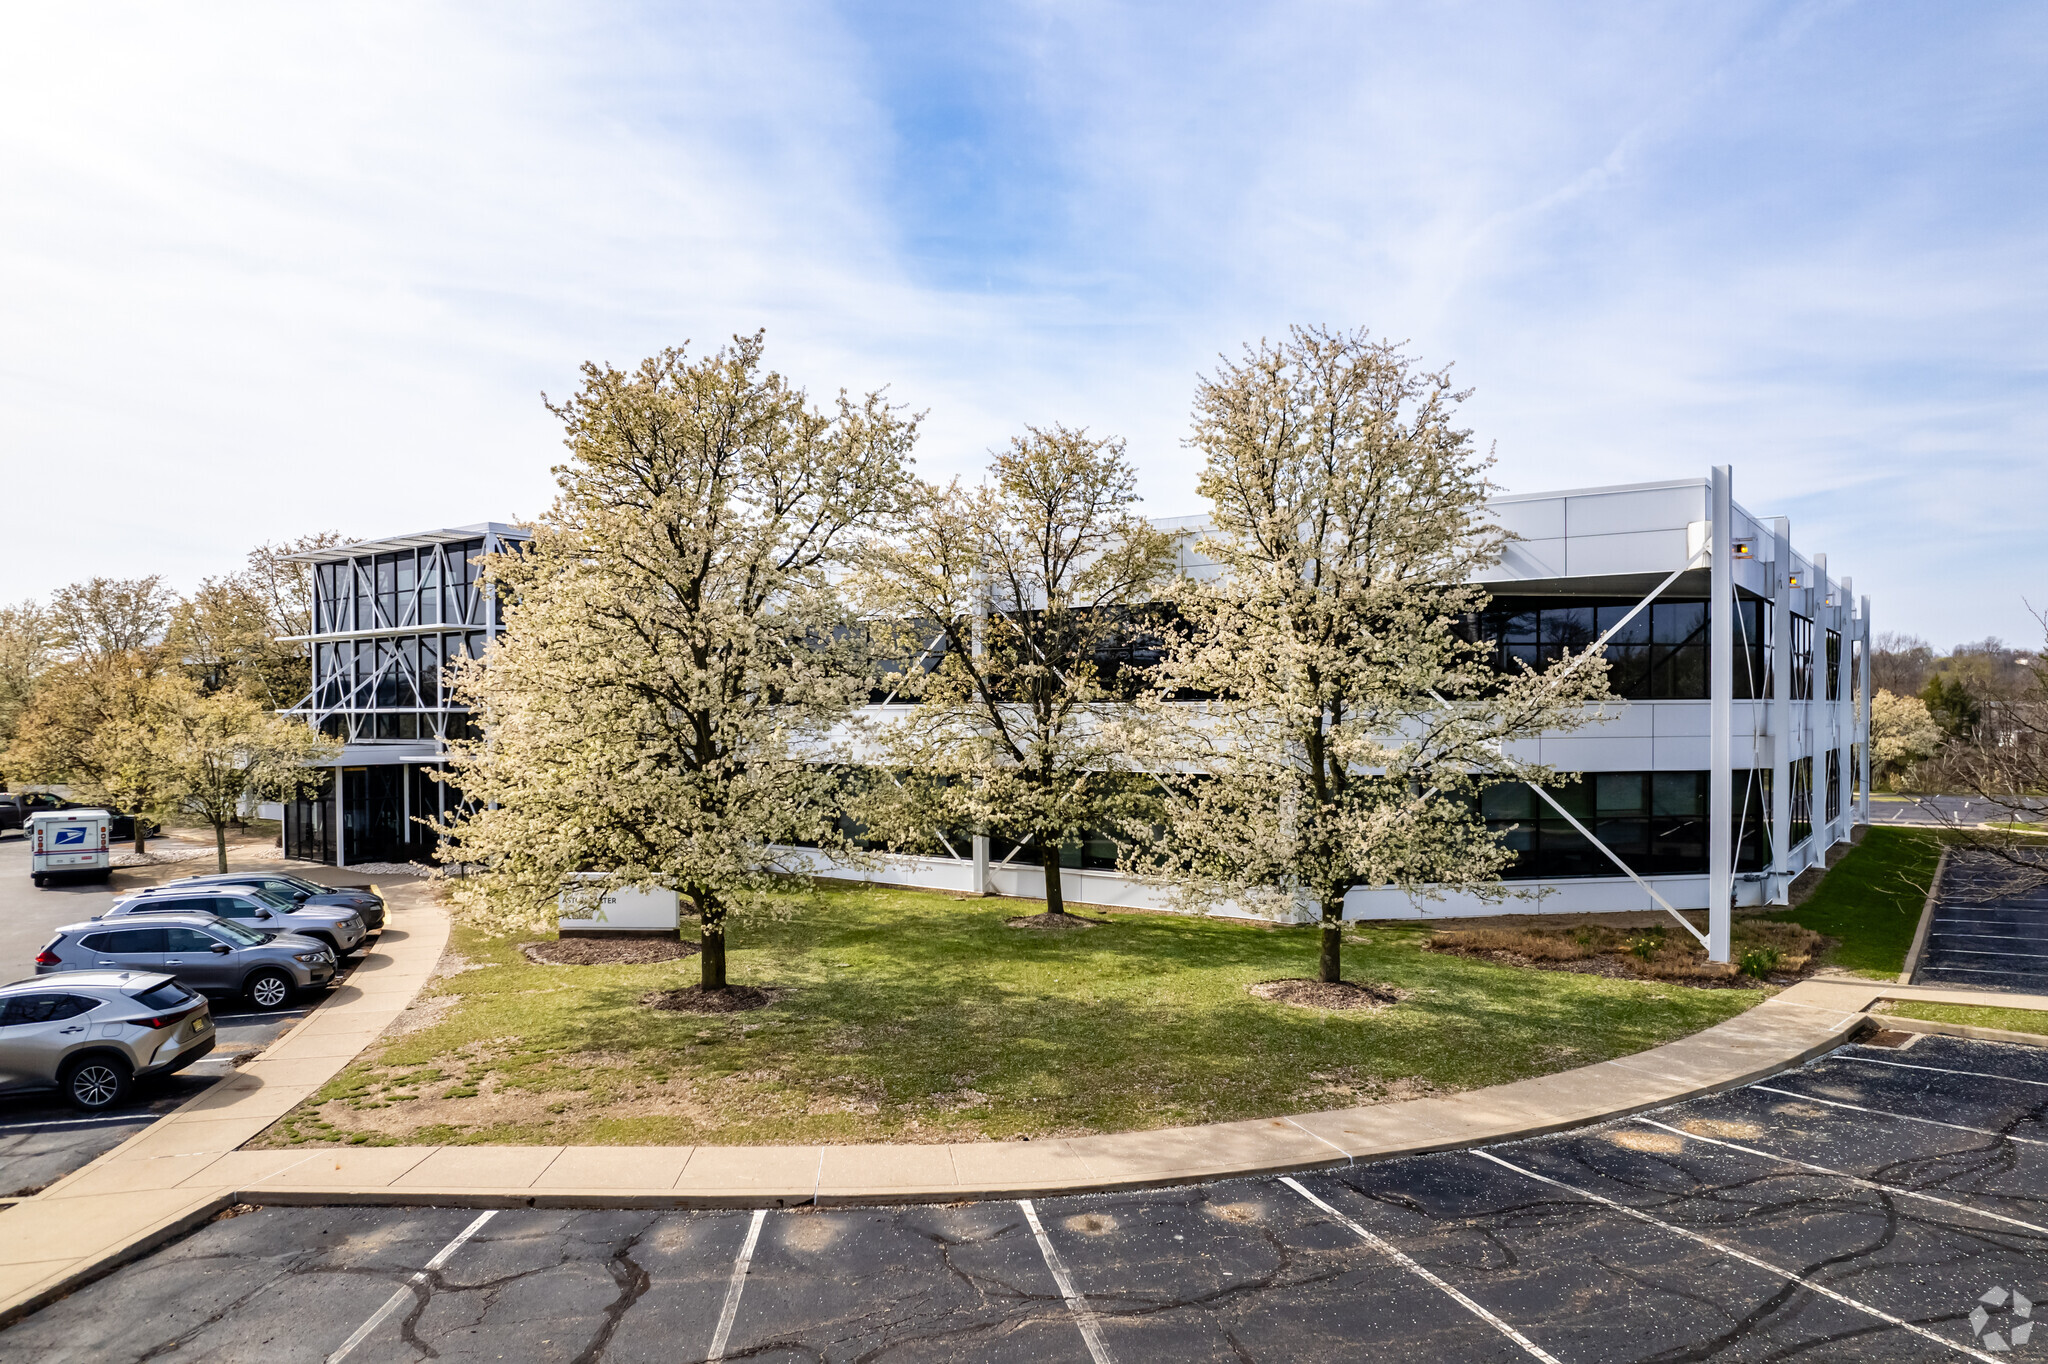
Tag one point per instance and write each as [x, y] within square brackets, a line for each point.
[5, 1128]
[1084, 1315]
[404, 1293]
[728, 1313]
[1982, 952]
[1941, 1070]
[1383, 1247]
[1845, 1176]
[1902, 1117]
[1984, 970]
[1732, 1253]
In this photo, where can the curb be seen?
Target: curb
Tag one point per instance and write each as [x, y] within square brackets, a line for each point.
[1926, 919]
[157, 1237]
[1896, 1023]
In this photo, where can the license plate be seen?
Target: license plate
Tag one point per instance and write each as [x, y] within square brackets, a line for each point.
[201, 1024]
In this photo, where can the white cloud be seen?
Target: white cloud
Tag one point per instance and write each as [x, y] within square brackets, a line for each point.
[270, 269]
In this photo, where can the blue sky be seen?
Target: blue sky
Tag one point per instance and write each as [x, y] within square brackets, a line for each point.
[271, 269]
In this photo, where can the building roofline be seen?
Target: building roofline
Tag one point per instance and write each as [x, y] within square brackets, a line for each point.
[417, 540]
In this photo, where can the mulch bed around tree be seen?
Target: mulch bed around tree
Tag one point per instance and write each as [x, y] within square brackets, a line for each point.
[1323, 994]
[1053, 921]
[733, 999]
[607, 951]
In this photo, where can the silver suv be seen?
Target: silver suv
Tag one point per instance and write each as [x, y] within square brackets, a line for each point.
[293, 890]
[211, 955]
[340, 929]
[92, 1034]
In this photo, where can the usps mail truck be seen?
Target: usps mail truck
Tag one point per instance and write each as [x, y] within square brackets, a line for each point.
[69, 844]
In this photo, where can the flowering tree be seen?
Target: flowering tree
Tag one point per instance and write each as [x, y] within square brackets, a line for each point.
[1016, 600]
[1352, 726]
[675, 657]
[209, 753]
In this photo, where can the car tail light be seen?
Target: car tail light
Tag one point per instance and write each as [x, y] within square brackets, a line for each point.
[48, 958]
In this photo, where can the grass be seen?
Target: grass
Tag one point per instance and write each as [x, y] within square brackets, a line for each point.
[1870, 901]
[1972, 1015]
[912, 1016]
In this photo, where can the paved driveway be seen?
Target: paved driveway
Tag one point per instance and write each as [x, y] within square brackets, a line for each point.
[1879, 1204]
[1983, 935]
[1933, 810]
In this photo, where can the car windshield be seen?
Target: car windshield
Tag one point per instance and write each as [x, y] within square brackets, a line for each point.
[270, 898]
[299, 883]
[236, 934]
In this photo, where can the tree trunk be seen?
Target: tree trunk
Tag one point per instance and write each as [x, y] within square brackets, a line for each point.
[1049, 858]
[1332, 964]
[711, 948]
[220, 844]
[139, 827]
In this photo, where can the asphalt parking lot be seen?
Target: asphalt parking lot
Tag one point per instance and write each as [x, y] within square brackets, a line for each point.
[42, 1139]
[1878, 1204]
[1984, 934]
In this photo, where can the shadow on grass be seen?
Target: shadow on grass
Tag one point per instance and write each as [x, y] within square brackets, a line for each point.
[916, 1015]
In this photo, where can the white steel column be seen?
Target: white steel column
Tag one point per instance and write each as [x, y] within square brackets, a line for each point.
[1721, 697]
[1781, 711]
[1820, 715]
[1863, 715]
[1844, 713]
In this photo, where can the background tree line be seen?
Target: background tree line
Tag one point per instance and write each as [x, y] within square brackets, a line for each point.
[1933, 716]
[125, 693]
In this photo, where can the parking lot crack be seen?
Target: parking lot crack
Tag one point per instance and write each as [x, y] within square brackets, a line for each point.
[633, 1280]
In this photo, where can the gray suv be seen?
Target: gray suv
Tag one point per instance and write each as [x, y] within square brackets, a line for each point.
[295, 890]
[340, 929]
[92, 1034]
[211, 955]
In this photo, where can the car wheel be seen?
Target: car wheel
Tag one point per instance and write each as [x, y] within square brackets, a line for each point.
[38, 880]
[269, 989]
[97, 1082]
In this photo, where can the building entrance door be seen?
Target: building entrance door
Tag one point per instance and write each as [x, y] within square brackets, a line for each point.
[372, 814]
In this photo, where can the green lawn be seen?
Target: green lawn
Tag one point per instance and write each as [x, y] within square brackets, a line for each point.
[913, 1016]
[1972, 1016]
[1870, 901]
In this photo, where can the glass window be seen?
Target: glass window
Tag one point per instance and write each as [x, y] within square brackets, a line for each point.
[1568, 627]
[237, 934]
[1508, 801]
[171, 905]
[134, 940]
[1678, 622]
[1802, 659]
[24, 1009]
[1801, 801]
[188, 940]
[1656, 822]
[1637, 631]
[168, 995]
[407, 570]
[1620, 793]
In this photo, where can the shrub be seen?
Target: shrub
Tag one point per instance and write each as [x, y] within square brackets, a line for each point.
[1759, 962]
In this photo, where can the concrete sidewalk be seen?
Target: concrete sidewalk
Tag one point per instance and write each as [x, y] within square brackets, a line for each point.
[187, 1167]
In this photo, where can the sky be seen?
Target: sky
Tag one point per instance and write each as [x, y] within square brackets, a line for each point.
[267, 270]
